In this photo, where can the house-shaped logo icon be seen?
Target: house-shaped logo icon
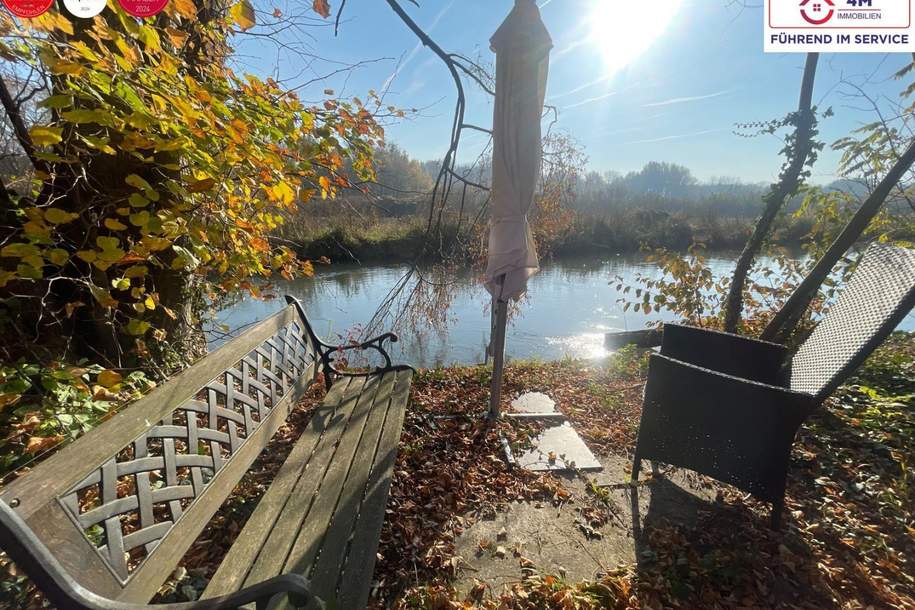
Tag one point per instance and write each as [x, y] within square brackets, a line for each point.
[817, 12]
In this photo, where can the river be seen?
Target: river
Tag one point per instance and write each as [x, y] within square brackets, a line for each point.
[570, 305]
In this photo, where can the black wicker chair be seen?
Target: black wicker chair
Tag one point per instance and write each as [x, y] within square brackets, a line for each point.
[729, 406]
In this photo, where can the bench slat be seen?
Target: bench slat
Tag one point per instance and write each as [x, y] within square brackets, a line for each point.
[332, 486]
[356, 576]
[308, 540]
[339, 524]
[300, 509]
[290, 492]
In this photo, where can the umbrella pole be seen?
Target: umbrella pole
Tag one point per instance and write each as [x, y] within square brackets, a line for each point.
[498, 349]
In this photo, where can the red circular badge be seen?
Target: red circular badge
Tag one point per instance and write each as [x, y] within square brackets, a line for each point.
[28, 8]
[142, 8]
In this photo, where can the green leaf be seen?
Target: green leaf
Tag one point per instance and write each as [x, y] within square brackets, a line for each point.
[98, 117]
[138, 327]
[56, 101]
[56, 216]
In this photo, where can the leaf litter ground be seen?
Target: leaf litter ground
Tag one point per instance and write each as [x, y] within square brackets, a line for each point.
[464, 530]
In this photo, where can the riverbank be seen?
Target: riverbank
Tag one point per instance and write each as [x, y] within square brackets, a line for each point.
[400, 240]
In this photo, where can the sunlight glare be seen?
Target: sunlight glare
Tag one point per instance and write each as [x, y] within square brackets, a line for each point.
[624, 29]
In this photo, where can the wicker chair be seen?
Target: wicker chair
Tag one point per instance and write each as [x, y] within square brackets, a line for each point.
[729, 406]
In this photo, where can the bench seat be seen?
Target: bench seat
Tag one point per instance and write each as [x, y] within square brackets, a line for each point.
[102, 523]
[330, 492]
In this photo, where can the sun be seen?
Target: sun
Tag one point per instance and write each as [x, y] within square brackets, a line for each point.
[624, 29]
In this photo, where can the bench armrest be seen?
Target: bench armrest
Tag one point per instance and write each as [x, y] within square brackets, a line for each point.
[727, 353]
[376, 344]
[42, 567]
[326, 350]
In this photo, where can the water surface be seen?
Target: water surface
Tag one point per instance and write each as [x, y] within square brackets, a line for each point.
[570, 305]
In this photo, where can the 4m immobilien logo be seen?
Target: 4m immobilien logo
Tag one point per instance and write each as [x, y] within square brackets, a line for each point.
[839, 26]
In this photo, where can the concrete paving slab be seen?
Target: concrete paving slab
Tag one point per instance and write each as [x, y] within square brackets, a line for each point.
[534, 402]
[564, 446]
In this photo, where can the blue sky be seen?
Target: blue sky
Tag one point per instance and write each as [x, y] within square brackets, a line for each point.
[677, 101]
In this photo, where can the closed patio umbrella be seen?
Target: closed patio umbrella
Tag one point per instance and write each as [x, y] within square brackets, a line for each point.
[522, 45]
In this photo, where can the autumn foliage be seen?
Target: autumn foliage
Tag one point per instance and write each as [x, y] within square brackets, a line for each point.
[157, 176]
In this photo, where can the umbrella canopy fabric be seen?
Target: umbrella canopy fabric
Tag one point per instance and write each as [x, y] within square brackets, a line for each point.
[522, 45]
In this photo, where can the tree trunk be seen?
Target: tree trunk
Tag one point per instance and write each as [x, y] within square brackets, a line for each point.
[779, 193]
[785, 321]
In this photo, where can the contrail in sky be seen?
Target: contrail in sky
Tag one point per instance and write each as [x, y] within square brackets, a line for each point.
[678, 137]
[416, 49]
[683, 100]
[589, 100]
[598, 81]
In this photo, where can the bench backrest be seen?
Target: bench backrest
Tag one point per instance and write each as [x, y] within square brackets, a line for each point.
[879, 295]
[120, 506]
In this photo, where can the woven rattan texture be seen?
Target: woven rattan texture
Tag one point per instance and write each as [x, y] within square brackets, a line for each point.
[879, 287]
[130, 503]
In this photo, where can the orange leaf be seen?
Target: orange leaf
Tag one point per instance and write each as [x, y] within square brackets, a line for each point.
[38, 444]
[322, 8]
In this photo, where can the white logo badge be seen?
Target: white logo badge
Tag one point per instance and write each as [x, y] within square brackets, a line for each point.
[85, 9]
[839, 26]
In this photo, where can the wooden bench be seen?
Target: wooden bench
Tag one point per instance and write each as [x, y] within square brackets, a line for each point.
[104, 522]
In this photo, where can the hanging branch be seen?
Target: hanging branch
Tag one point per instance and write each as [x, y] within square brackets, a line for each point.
[785, 321]
[410, 284]
[800, 150]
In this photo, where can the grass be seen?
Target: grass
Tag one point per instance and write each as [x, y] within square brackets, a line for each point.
[394, 240]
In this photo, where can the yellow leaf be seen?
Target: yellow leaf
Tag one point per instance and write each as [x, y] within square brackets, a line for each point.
[58, 256]
[103, 297]
[109, 378]
[114, 225]
[45, 136]
[242, 14]
[185, 8]
[51, 21]
[87, 255]
[107, 243]
[8, 399]
[202, 185]
[149, 302]
[56, 216]
[136, 271]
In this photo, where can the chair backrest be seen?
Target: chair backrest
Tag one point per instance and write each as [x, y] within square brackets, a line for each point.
[119, 506]
[878, 297]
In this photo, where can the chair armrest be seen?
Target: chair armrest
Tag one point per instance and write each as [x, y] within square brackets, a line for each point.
[738, 430]
[727, 353]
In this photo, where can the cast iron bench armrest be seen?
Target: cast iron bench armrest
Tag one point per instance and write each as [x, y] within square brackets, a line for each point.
[376, 344]
[42, 567]
[727, 353]
[327, 350]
